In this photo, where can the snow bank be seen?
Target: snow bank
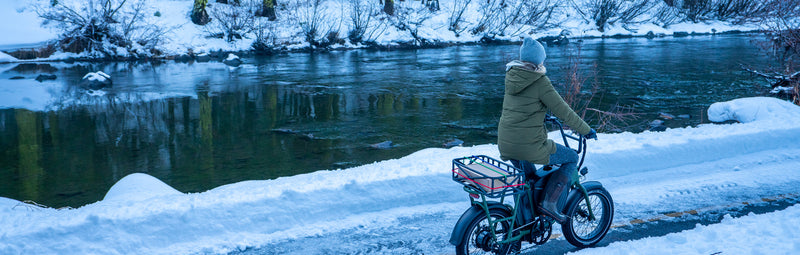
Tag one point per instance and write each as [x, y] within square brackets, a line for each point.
[647, 173]
[181, 36]
[769, 233]
[747, 110]
[5, 58]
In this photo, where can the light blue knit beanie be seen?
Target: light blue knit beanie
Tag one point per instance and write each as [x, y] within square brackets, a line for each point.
[532, 51]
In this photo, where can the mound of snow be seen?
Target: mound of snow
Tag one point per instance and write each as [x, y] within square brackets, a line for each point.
[137, 187]
[752, 109]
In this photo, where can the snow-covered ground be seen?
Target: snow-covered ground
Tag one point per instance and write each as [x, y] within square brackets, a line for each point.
[409, 205]
[769, 233]
[19, 25]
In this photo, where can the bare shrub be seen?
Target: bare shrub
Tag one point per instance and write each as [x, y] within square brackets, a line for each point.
[616, 118]
[319, 28]
[665, 13]
[696, 10]
[232, 21]
[266, 40]
[363, 28]
[499, 16]
[783, 33]
[607, 12]
[410, 19]
[103, 26]
[456, 17]
[736, 10]
[538, 14]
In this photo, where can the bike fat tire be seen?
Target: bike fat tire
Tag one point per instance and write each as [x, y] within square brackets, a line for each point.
[481, 221]
[577, 229]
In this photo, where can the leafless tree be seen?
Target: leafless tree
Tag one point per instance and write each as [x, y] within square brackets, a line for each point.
[199, 14]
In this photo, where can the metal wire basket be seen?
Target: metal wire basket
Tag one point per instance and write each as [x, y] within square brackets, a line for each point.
[488, 176]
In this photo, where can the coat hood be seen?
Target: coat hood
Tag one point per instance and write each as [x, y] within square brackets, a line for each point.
[520, 75]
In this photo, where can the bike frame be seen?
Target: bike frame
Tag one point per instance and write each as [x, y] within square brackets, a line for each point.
[483, 202]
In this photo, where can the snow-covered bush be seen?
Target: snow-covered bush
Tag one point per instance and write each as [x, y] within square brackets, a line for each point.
[363, 27]
[110, 27]
[232, 21]
[603, 12]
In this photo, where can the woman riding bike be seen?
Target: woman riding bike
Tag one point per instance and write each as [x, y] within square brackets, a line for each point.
[522, 137]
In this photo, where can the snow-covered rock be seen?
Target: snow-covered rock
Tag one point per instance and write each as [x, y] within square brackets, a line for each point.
[45, 77]
[753, 109]
[232, 60]
[203, 57]
[95, 81]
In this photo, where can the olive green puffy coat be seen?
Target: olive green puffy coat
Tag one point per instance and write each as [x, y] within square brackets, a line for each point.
[528, 96]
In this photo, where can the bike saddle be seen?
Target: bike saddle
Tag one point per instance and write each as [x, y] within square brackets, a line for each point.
[546, 170]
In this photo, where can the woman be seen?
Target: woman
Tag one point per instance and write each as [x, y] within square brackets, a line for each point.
[522, 137]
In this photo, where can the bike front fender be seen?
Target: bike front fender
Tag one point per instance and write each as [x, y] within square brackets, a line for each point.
[576, 193]
[463, 223]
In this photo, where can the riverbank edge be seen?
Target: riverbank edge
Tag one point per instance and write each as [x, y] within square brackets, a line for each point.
[220, 55]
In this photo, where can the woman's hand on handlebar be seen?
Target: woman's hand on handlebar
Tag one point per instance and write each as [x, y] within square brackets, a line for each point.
[591, 135]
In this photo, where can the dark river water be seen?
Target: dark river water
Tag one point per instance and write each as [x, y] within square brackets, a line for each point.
[197, 126]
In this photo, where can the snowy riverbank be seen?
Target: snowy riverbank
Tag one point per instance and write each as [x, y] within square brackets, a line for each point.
[178, 36]
[413, 200]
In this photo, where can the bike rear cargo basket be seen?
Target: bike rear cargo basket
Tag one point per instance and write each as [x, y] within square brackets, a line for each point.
[488, 176]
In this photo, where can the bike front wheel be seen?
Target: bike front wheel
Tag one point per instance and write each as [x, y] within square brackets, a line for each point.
[479, 237]
[579, 230]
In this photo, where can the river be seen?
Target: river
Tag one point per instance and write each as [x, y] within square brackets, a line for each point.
[199, 125]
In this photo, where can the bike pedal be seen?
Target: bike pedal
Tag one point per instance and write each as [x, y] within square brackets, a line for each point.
[584, 170]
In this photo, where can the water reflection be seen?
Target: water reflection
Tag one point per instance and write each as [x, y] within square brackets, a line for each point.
[197, 126]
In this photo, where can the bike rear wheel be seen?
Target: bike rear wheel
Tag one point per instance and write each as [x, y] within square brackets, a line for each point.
[579, 230]
[479, 235]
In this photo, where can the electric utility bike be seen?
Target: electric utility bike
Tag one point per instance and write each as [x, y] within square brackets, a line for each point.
[491, 226]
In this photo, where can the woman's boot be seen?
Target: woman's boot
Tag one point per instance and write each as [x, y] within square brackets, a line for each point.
[556, 187]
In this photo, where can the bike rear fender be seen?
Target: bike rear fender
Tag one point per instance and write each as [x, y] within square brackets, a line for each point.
[463, 223]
